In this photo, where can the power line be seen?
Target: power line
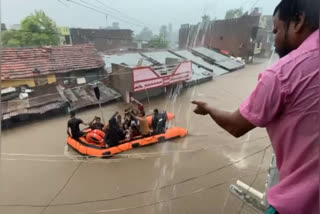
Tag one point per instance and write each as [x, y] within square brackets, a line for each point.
[119, 12]
[60, 1]
[92, 7]
[108, 14]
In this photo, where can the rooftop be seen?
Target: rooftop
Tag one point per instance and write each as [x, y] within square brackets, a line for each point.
[202, 59]
[218, 58]
[22, 62]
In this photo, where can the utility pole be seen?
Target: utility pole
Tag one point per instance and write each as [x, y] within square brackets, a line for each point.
[107, 20]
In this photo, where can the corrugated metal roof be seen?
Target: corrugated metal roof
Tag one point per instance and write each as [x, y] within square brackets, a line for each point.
[200, 73]
[219, 59]
[188, 55]
[41, 100]
[34, 110]
[130, 59]
[161, 56]
[81, 97]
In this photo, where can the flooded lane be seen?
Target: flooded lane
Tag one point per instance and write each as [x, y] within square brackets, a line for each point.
[188, 175]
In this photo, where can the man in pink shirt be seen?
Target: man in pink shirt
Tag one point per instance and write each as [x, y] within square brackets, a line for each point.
[287, 102]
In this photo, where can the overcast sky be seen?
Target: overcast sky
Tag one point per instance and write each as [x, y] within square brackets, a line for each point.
[152, 13]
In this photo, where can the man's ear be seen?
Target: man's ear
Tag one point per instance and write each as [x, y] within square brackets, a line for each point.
[299, 22]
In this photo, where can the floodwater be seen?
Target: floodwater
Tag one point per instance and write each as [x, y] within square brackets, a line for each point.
[187, 175]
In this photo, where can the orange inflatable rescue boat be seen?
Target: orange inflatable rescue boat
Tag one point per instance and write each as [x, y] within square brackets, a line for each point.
[93, 143]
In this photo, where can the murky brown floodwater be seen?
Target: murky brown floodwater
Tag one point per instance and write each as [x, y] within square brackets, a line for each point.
[189, 175]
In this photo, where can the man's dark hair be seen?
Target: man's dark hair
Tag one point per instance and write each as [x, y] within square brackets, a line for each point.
[290, 10]
[72, 113]
[156, 111]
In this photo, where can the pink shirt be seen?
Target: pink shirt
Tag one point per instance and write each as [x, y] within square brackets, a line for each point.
[286, 102]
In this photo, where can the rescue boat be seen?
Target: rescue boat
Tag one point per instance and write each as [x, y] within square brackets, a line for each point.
[93, 145]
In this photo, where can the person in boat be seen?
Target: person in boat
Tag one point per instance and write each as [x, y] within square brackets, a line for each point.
[115, 133]
[143, 124]
[286, 102]
[73, 129]
[96, 124]
[128, 118]
[137, 106]
[159, 122]
[155, 119]
[119, 121]
[132, 132]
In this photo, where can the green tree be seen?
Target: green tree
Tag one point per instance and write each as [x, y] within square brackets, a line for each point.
[205, 19]
[158, 42]
[164, 34]
[146, 34]
[36, 30]
[234, 13]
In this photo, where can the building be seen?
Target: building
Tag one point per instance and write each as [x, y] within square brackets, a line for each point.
[242, 37]
[38, 81]
[43, 101]
[114, 26]
[150, 81]
[3, 27]
[103, 39]
[65, 65]
[15, 27]
[150, 74]
[65, 38]
[265, 37]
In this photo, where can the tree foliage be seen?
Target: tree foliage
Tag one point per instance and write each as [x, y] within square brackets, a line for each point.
[36, 30]
[145, 34]
[234, 13]
[164, 34]
[158, 42]
[205, 19]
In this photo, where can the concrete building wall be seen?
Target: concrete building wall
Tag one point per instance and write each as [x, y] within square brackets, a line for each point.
[71, 79]
[143, 95]
[16, 83]
[121, 80]
[3, 27]
[52, 79]
[31, 82]
[232, 35]
[103, 39]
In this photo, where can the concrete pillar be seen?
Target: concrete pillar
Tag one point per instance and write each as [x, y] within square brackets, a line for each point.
[127, 97]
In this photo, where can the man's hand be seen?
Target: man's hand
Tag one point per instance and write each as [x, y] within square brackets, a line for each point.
[202, 108]
[232, 122]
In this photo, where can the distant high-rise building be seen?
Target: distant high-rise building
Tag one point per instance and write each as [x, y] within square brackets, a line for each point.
[15, 27]
[3, 27]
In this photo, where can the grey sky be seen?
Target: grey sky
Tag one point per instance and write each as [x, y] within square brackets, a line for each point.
[151, 12]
